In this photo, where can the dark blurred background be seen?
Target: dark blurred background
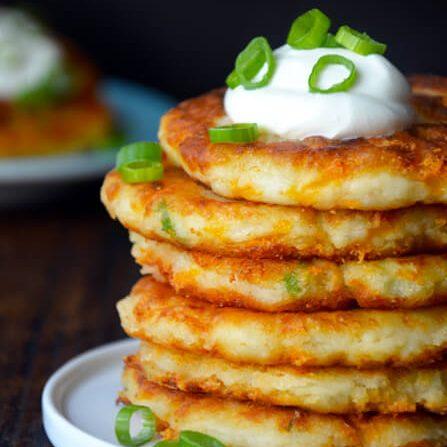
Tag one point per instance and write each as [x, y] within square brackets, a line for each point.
[186, 47]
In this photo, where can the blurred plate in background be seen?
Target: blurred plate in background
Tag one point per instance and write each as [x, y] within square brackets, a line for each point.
[137, 111]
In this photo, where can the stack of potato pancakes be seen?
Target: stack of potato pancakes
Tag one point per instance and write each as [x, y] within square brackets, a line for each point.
[295, 291]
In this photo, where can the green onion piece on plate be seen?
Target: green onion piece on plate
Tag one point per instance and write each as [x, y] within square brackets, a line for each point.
[325, 61]
[141, 171]
[255, 58]
[195, 439]
[330, 42]
[309, 30]
[234, 133]
[137, 152]
[358, 42]
[122, 425]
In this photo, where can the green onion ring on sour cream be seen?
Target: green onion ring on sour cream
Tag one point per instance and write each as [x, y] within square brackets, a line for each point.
[377, 104]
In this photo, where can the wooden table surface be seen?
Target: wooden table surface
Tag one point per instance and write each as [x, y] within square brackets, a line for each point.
[63, 267]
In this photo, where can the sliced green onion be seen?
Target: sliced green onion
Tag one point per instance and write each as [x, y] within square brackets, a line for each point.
[330, 42]
[251, 70]
[147, 151]
[57, 85]
[140, 162]
[196, 439]
[122, 425]
[322, 63]
[167, 444]
[115, 139]
[358, 42]
[309, 30]
[233, 79]
[292, 284]
[166, 222]
[141, 171]
[234, 133]
[250, 62]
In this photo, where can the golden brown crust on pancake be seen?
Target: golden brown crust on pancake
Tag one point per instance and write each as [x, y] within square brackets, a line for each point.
[206, 222]
[430, 97]
[245, 424]
[360, 338]
[428, 85]
[324, 390]
[77, 123]
[279, 285]
[368, 174]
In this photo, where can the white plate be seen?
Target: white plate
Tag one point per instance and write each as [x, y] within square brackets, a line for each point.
[79, 400]
[137, 111]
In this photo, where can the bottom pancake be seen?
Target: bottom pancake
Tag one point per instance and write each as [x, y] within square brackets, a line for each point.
[244, 424]
[324, 390]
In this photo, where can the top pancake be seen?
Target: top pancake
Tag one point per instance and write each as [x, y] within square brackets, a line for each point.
[403, 169]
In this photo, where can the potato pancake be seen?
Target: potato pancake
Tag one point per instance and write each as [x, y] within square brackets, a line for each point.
[396, 171]
[79, 122]
[178, 210]
[68, 127]
[361, 338]
[430, 97]
[245, 424]
[324, 390]
[278, 285]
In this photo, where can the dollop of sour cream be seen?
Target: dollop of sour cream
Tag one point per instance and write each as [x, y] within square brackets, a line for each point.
[27, 53]
[377, 105]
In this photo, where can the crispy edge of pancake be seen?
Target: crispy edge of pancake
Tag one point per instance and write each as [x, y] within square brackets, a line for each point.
[245, 424]
[428, 85]
[362, 338]
[76, 123]
[392, 172]
[279, 285]
[324, 390]
[178, 210]
[430, 97]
